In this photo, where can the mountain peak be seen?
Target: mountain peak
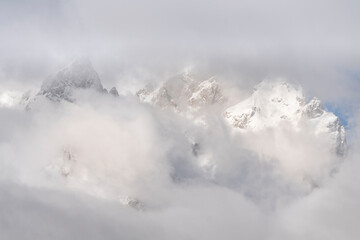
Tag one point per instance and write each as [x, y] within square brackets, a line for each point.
[80, 74]
[314, 108]
[113, 91]
[271, 103]
[184, 92]
[276, 102]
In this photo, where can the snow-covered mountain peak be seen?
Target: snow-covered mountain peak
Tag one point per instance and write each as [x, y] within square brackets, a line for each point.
[208, 92]
[314, 108]
[275, 103]
[279, 95]
[270, 103]
[183, 92]
[80, 74]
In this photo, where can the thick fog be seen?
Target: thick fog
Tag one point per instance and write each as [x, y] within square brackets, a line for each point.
[106, 167]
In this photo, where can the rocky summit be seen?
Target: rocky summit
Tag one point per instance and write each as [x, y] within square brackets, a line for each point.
[80, 74]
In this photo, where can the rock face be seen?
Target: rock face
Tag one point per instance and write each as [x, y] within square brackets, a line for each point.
[113, 91]
[133, 203]
[276, 102]
[208, 92]
[183, 92]
[78, 75]
[69, 160]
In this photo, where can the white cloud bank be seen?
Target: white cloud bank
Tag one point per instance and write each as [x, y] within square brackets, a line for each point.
[122, 148]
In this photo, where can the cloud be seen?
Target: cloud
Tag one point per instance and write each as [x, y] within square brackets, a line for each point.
[66, 168]
[120, 147]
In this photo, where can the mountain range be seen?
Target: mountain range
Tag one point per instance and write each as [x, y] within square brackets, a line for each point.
[275, 105]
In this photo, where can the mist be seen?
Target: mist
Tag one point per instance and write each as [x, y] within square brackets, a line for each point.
[110, 167]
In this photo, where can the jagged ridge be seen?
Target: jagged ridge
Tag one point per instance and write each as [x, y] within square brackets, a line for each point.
[183, 92]
[275, 102]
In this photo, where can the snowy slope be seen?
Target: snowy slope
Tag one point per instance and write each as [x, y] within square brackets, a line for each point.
[183, 93]
[277, 102]
[78, 75]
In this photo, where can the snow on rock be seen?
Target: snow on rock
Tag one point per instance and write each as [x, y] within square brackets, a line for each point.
[133, 203]
[314, 108]
[208, 92]
[80, 74]
[270, 103]
[183, 93]
[276, 102]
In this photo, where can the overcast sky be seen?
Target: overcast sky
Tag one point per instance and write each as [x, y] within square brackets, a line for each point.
[315, 42]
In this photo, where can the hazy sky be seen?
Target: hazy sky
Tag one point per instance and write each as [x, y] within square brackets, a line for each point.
[299, 38]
